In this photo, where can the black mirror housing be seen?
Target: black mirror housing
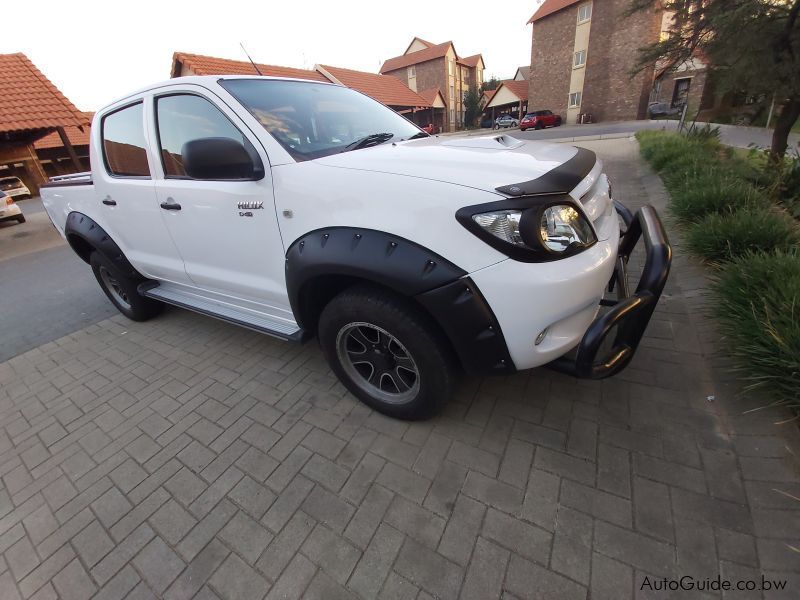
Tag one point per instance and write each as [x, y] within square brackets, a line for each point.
[220, 158]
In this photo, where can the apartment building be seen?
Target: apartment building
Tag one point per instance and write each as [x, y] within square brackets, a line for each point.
[582, 56]
[425, 66]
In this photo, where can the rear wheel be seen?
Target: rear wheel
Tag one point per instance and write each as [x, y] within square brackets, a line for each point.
[386, 352]
[122, 290]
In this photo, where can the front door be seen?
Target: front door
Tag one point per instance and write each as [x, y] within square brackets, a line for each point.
[226, 230]
[127, 206]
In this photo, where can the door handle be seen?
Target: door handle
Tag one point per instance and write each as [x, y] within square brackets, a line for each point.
[109, 202]
[170, 204]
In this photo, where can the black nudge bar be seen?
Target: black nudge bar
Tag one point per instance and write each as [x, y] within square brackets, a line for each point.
[629, 314]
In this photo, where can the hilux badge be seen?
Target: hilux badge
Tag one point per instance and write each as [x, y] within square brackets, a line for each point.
[250, 205]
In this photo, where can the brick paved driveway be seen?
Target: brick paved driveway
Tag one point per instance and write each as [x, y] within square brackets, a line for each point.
[186, 458]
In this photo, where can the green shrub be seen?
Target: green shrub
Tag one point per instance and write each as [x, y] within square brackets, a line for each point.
[721, 237]
[758, 307]
[713, 190]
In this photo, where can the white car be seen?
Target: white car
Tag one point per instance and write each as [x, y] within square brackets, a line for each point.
[298, 208]
[9, 211]
[14, 187]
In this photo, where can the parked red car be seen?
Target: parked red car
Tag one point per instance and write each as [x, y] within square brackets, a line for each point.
[539, 119]
[430, 128]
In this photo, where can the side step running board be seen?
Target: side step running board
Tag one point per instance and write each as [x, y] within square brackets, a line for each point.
[231, 314]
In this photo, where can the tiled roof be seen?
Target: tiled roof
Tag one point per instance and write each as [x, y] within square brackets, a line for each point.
[430, 95]
[489, 95]
[518, 88]
[414, 58]
[210, 65]
[75, 135]
[29, 100]
[471, 61]
[549, 7]
[423, 42]
[383, 88]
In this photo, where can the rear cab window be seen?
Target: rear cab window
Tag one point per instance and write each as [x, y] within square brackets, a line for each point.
[124, 145]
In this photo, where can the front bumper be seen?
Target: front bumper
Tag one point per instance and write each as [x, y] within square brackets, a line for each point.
[629, 313]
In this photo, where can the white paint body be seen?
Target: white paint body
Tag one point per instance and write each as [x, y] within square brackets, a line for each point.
[411, 189]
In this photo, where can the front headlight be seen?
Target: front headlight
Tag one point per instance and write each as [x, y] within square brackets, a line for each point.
[562, 226]
[502, 224]
[540, 230]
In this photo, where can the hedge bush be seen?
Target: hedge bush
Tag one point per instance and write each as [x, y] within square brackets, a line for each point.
[758, 308]
[710, 191]
[723, 237]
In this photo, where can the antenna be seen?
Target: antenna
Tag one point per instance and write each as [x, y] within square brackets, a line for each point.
[250, 59]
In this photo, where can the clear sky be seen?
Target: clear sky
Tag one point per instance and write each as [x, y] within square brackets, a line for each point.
[96, 51]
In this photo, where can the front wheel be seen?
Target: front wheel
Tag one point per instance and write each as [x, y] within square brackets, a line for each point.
[122, 290]
[21, 219]
[523, 128]
[539, 126]
[386, 352]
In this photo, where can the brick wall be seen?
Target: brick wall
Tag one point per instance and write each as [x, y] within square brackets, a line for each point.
[551, 61]
[701, 95]
[609, 93]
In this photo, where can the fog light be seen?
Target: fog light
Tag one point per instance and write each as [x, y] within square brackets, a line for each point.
[540, 337]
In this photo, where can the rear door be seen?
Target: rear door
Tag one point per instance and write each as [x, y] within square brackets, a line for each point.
[125, 192]
[226, 230]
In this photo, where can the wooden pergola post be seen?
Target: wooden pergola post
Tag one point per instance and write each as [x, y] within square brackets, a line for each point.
[70, 150]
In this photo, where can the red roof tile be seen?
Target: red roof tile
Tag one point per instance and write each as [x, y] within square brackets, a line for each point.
[489, 94]
[549, 7]
[414, 58]
[210, 65]
[518, 88]
[29, 100]
[430, 95]
[74, 134]
[383, 88]
[471, 61]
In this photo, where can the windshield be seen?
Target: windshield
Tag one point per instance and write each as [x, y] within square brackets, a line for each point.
[311, 120]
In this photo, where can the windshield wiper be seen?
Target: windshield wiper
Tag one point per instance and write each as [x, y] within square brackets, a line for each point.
[421, 134]
[373, 139]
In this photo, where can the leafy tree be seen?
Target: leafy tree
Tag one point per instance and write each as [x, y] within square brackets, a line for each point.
[750, 45]
[472, 107]
[491, 84]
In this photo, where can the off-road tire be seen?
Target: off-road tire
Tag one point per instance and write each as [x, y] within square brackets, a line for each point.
[364, 309]
[122, 290]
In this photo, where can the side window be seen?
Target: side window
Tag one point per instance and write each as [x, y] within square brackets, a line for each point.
[182, 118]
[123, 143]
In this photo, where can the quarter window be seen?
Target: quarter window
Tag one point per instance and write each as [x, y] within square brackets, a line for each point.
[584, 12]
[575, 99]
[580, 58]
[183, 118]
[123, 142]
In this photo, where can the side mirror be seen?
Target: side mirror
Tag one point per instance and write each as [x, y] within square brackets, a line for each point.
[220, 158]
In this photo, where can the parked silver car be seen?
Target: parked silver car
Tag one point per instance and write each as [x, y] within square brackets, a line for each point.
[504, 121]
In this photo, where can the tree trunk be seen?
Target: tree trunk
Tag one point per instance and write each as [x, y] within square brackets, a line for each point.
[790, 111]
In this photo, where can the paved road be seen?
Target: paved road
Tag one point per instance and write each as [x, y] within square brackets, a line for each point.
[187, 458]
[732, 135]
[46, 291]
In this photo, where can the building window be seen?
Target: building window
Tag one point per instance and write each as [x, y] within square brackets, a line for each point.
[584, 12]
[412, 72]
[451, 67]
[479, 77]
[452, 115]
[579, 59]
[575, 99]
[452, 93]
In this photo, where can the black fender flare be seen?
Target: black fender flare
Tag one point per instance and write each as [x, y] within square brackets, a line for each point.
[318, 261]
[84, 235]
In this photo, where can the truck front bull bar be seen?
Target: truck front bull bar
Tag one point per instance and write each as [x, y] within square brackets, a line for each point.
[629, 314]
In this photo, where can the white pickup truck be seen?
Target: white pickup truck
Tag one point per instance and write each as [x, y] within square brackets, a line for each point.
[298, 208]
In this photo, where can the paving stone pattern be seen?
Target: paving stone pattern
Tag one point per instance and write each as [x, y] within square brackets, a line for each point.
[187, 458]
